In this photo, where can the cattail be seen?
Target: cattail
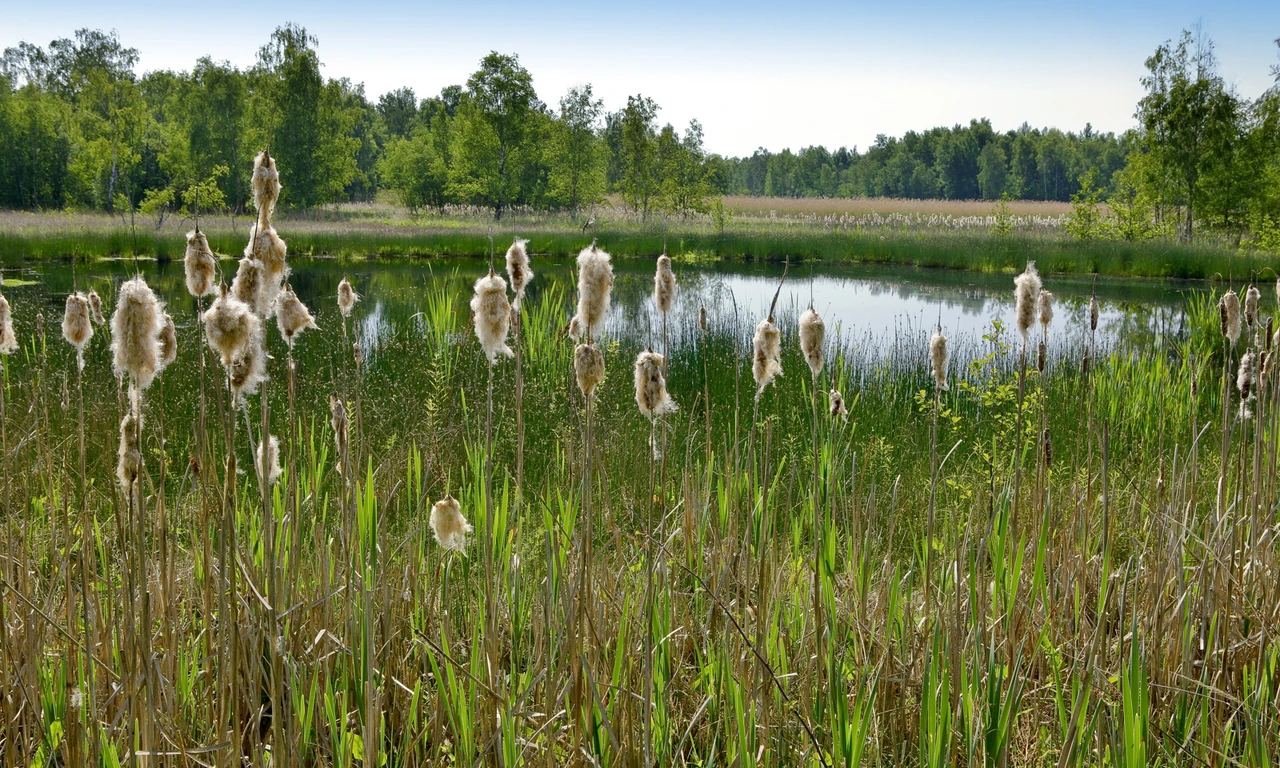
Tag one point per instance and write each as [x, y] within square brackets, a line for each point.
[1264, 374]
[40, 324]
[1093, 313]
[838, 407]
[1042, 355]
[8, 339]
[338, 413]
[448, 525]
[651, 386]
[250, 286]
[1048, 448]
[229, 324]
[129, 456]
[95, 307]
[168, 340]
[77, 327]
[135, 333]
[292, 316]
[269, 460]
[938, 359]
[1026, 291]
[595, 282]
[664, 285]
[1229, 311]
[1044, 306]
[1251, 298]
[249, 369]
[702, 318]
[492, 313]
[1244, 382]
[518, 271]
[588, 367]
[266, 185]
[812, 333]
[267, 247]
[1269, 338]
[767, 344]
[200, 265]
[347, 297]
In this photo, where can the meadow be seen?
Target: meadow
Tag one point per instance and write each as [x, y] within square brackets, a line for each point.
[1019, 549]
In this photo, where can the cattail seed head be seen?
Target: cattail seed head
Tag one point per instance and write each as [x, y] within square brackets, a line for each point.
[229, 325]
[702, 318]
[1093, 313]
[767, 360]
[492, 314]
[1042, 356]
[250, 286]
[1251, 298]
[1084, 364]
[249, 369]
[168, 340]
[1044, 307]
[135, 333]
[812, 335]
[448, 525]
[266, 185]
[1026, 291]
[938, 359]
[595, 284]
[518, 271]
[40, 324]
[664, 285]
[1269, 339]
[1244, 376]
[651, 386]
[1048, 448]
[588, 368]
[8, 339]
[338, 414]
[292, 316]
[266, 247]
[77, 326]
[838, 407]
[95, 307]
[269, 460]
[129, 455]
[200, 265]
[347, 297]
[1229, 311]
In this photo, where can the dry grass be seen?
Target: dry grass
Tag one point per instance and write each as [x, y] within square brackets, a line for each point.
[790, 206]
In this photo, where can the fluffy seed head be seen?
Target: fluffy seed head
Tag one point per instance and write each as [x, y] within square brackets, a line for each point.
[1042, 356]
[338, 414]
[838, 407]
[135, 333]
[292, 316]
[229, 324]
[448, 525]
[269, 460]
[1251, 298]
[1093, 313]
[812, 334]
[651, 386]
[767, 362]
[267, 247]
[77, 328]
[938, 359]
[664, 285]
[518, 271]
[251, 287]
[129, 455]
[347, 297]
[200, 265]
[1044, 305]
[266, 185]
[588, 368]
[168, 340]
[702, 318]
[595, 283]
[1229, 307]
[492, 313]
[8, 339]
[95, 307]
[1026, 290]
[1244, 376]
[249, 369]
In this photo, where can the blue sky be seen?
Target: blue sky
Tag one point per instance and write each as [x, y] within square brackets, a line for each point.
[755, 74]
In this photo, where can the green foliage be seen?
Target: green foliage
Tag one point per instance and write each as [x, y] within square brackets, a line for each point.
[1085, 220]
[415, 170]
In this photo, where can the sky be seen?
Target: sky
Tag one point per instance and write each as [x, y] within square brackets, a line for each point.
[754, 74]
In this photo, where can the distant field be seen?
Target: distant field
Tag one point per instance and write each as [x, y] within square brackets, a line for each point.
[884, 205]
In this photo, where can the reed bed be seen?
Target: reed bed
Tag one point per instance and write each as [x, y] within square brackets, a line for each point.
[446, 559]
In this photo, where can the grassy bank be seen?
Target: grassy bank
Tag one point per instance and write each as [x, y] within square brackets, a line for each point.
[917, 239]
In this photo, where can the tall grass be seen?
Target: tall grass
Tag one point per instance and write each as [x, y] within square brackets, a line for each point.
[1126, 618]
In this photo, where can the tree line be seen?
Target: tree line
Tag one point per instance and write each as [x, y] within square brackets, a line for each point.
[79, 127]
